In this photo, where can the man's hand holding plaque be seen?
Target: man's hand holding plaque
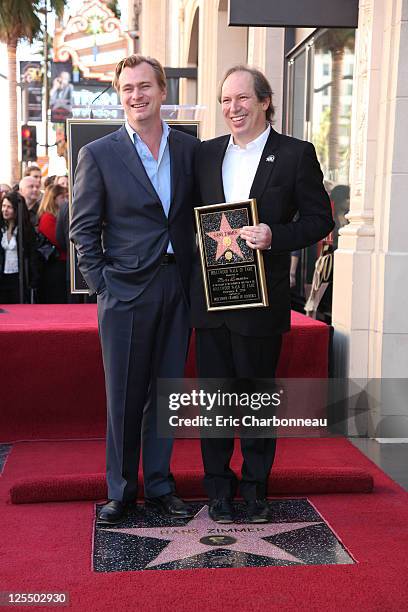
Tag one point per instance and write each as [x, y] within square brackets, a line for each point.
[257, 236]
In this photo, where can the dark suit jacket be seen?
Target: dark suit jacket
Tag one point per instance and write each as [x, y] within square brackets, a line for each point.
[291, 183]
[118, 223]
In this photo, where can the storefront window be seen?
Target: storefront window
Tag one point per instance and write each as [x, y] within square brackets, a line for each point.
[331, 102]
[319, 110]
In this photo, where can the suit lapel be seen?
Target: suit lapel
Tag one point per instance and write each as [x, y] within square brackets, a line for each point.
[176, 162]
[215, 167]
[266, 165]
[127, 152]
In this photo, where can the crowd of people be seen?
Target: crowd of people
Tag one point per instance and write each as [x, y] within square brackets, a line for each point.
[33, 261]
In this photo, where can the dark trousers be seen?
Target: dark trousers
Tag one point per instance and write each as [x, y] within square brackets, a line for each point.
[224, 354]
[52, 288]
[142, 340]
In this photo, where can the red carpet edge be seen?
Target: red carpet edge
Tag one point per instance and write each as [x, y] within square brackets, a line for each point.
[85, 487]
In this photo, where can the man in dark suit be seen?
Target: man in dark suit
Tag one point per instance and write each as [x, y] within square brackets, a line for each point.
[284, 176]
[133, 230]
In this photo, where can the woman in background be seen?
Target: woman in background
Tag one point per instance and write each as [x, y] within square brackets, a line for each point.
[13, 261]
[52, 285]
[61, 180]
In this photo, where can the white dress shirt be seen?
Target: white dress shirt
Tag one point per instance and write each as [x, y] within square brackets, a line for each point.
[158, 170]
[10, 252]
[240, 165]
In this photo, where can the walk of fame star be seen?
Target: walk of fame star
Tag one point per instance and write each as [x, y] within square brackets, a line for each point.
[148, 541]
[201, 535]
[226, 239]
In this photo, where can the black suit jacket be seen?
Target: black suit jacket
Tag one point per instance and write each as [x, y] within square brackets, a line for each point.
[118, 223]
[291, 183]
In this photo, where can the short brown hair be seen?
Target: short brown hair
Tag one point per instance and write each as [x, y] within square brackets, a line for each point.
[262, 87]
[31, 168]
[134, 60]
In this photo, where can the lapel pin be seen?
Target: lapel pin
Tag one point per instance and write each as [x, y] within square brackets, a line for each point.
[270, 158]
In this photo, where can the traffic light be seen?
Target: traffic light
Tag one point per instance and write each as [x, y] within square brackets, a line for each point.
[28, 143]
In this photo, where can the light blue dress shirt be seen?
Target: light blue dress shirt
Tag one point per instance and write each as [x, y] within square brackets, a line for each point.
[158, 170]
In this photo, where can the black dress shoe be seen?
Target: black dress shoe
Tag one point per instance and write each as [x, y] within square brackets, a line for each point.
[112, 513]
[170, 505]
[220, 510]
[258, 511]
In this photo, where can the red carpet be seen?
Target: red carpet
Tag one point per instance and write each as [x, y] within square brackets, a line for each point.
[47, 547]
[323, 470]
[53, 385]
[289, 481]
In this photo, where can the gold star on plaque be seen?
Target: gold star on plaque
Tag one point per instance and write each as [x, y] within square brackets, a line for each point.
[226, 237]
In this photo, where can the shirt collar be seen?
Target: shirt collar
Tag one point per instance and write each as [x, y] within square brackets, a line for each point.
[258, 143]
[132, 132]
[14, 232]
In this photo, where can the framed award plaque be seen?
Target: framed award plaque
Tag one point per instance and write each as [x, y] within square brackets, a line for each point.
[233, 273]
